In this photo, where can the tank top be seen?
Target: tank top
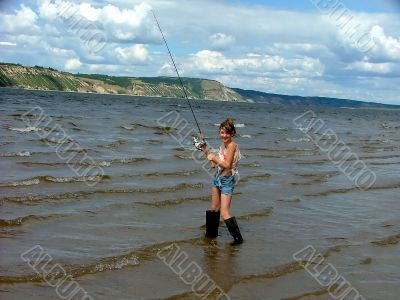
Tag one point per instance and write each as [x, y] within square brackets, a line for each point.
[222, 154]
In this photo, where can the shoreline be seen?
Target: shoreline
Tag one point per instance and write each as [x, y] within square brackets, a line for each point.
[129, 95]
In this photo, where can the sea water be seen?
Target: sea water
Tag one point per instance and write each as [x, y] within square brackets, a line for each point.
[106, 230]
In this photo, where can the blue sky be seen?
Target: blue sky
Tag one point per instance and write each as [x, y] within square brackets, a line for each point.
[357, 5]
[334, 48]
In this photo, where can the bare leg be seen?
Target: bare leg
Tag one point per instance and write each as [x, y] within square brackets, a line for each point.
[215, 199]
[225, 206]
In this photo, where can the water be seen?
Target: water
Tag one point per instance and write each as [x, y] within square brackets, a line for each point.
[154, 194]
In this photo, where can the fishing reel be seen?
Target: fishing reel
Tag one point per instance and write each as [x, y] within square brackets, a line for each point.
[199, 143]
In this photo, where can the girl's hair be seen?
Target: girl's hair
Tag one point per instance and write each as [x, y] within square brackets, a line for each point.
[229, 126]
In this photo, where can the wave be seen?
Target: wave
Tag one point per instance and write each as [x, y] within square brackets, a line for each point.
[130, 160]
[184, 157]
[347, 190]
[314, 294]
[333, 191]
[39, 179]
[80, 150]
[385, 125]
[313, 162]
[103, 163]
[272, 273]
[139, 125]
[381, 157]
[116, 262]
[288, 268]
[300, 140]
[5, 143]
[11, 154]
[164, 130]
[115, 144]
[289, 150]
[82, 194]
[390, 240]
[256, 176]
[172, 202]
[25, 116]
[251, 165]
[19, 221]
[259, 214]
[154, 142]
[384, 163]
[26, 129]
[178, 173]
[162, 174]
[366, 261]
[280, 128]
[314, 178]
[53, 141]
[289, 201]
[26, 182]
[134, 258]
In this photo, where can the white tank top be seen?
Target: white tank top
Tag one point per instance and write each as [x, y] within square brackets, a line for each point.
[236, 157]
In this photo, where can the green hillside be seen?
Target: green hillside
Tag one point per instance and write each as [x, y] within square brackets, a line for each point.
[16, 75]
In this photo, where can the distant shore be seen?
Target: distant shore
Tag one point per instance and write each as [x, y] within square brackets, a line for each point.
[116, 94]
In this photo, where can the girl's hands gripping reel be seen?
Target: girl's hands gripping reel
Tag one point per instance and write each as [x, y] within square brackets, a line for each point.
[199, 143]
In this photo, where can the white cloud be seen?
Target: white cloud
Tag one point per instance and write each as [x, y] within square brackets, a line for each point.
[7, 44]
[48, 9]
[61, 52]
[73, 64]
[132, 54]
[221, 41]
[24, 20]
[119, 25]
[213, 62]
[385, 46]
[250, 47]
[89, 12]
[380, 68]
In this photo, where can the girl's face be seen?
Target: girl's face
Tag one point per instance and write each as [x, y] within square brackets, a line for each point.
[224, 135]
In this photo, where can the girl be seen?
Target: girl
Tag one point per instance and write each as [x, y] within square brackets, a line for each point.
[224, 183]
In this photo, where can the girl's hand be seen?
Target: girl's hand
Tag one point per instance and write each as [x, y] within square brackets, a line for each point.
[210, 156]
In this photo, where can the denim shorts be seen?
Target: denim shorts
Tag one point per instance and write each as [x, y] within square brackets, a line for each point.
[225, 184]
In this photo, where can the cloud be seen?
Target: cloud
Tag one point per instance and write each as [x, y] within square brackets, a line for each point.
[386, 47]
[118, 25]
[73, 64]
[132, 54]
[7, 44]
[23, 20]
[214, 62]
[49, 9]
[221, 41]
[252, 46]
[378, 68]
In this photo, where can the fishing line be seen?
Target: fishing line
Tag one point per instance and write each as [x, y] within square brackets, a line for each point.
[176, 70]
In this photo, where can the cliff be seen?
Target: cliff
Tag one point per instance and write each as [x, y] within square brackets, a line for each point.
[15, 75]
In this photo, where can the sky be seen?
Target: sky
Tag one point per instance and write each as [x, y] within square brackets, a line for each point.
[332, 48]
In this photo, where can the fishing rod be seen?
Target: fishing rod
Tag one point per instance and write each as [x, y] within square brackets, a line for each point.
[198, 143]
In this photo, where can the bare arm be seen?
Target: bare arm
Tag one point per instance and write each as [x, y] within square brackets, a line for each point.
[227, 163]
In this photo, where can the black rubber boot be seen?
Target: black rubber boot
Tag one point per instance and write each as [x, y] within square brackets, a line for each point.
[212, 223]
[234, 231]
